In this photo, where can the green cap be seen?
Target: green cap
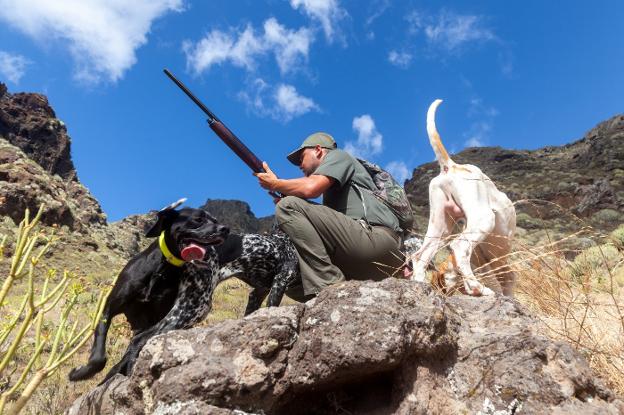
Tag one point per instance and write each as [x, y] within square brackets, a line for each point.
[317, 139]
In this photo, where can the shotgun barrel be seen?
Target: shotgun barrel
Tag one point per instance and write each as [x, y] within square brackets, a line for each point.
[224, 133]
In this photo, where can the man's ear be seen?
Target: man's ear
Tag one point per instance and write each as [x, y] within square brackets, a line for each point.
[163, 215]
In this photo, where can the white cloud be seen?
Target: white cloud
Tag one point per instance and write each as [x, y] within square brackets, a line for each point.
[415, 21]
[291, 104]
[477, 108]
[478, 134]
[327, 12]
[401, 59]
[255, 97]
[290, 47]
[380, 7]
[101, 35]
[450, 31]
[369, 142]
[398, 170]
[218, 47]
[282, 103]
[474, 142]
[506, 62]
[12, 67]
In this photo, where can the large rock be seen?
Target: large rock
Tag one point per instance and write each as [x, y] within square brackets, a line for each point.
[27, 121]
[361, 347]
[24, 184]
[36, 165]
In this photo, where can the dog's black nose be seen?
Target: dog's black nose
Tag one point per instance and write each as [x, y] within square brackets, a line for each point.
[223, 230]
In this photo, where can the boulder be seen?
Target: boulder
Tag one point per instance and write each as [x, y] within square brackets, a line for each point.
[386, 347]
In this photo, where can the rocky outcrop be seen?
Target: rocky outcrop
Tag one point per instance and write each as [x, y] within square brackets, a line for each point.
[28, 122]
[361, 347]
[237, 215]
[584, 179]
[25, 184]
[127, 236]
[36, 166]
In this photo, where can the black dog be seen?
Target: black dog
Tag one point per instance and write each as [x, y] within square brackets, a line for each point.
[266, 262]
[156, 290]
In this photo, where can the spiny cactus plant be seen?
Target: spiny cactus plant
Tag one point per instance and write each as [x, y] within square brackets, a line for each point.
[40, 327]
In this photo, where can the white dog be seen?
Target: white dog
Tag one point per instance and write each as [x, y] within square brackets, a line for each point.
[462, 190]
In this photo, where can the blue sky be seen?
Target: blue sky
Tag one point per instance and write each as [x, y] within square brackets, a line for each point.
[514, 74]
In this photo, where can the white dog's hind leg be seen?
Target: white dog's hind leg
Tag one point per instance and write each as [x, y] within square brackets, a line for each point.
[439, 227]
[479, 225]
[497, 249]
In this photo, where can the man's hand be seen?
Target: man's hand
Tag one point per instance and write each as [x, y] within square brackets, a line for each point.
[267, 180]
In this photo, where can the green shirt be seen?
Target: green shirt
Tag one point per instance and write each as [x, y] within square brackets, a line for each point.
[343, 197]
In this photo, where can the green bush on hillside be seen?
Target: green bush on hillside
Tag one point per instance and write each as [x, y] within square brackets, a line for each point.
[597, 265]
[40, 326]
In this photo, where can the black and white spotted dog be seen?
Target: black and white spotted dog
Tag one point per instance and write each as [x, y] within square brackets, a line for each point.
[268, 263]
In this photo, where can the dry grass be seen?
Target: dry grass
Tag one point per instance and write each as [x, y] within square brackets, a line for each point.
[580, 301]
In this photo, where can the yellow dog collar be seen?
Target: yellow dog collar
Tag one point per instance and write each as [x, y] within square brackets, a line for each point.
[172, 259]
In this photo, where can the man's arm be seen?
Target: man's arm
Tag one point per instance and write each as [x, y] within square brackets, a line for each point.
[305, 187]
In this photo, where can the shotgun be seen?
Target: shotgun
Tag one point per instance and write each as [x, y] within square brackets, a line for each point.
[224, 133]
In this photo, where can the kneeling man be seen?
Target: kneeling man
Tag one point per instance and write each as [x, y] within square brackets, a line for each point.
[352, 235]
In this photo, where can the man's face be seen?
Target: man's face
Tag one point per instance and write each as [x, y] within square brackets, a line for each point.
[310, 159]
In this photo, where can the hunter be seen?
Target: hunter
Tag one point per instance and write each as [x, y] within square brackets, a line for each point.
[351, 235]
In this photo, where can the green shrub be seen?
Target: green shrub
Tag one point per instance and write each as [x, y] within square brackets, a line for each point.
[617, 237]
[596, 265]
[607, 216]
[526, 221]
[40, 326]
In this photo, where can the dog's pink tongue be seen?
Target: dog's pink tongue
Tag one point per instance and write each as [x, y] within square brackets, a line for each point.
[192, 251]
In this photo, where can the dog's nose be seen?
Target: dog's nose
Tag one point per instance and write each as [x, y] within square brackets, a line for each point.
[223, 230]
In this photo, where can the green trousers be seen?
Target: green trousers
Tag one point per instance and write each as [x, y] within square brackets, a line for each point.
[333, 247]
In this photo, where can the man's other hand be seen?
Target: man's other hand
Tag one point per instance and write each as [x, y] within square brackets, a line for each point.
[268, 179]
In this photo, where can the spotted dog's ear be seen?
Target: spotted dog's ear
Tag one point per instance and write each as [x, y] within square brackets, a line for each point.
[163, 215]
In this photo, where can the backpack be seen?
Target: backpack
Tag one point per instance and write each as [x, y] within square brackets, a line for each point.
[391, 193]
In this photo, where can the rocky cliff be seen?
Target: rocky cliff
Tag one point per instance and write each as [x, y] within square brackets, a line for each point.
[36, 165]
[28, 122]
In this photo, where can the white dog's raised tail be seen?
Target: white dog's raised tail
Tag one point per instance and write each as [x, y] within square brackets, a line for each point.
[434, 138]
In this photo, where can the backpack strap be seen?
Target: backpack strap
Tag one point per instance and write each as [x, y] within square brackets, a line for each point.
[358, 190]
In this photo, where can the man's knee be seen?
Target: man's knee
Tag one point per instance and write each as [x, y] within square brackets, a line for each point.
[287, 205]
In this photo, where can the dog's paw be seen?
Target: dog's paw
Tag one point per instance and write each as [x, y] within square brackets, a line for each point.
[418, 275]
[487, 292]
[87, 371]
[77, 373]
[476, 289]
